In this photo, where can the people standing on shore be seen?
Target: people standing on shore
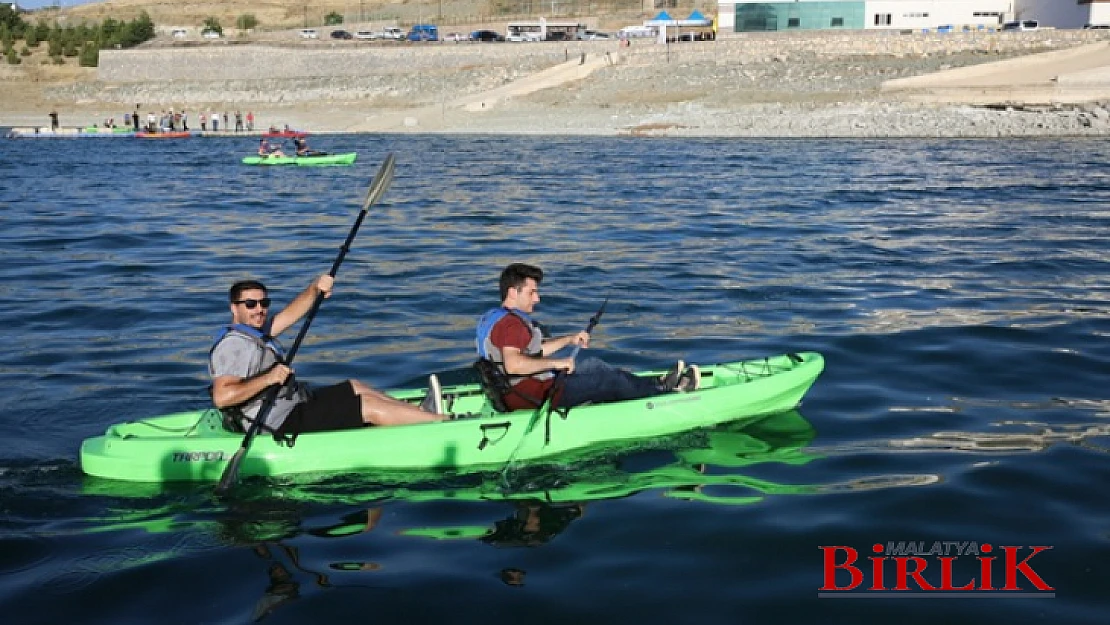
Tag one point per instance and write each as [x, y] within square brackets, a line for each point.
[53, 120]
[238, 121]
[250, 121]
[215, 121]
[184, 120]
[227, 126]
[135, 118]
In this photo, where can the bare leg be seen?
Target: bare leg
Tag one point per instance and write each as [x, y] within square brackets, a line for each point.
[381, 409]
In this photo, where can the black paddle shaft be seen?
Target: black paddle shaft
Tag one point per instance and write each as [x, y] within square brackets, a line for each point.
[377, 189]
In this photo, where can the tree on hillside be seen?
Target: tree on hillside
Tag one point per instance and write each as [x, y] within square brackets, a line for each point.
[11, 19]
[333, 18]
[90, 55]
[212, 24]
[246, 21]
[42, 30]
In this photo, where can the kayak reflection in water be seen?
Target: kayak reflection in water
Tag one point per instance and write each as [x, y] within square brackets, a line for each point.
[533, 524]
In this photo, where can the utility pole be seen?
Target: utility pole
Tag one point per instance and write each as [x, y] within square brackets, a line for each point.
[306, 16]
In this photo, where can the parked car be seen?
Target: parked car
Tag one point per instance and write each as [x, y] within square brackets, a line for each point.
[210, 34]
[486, 35]
[629, 32]
[423, 32]
[590, 35]
[308, 33]
[392, 32]
[180, 33]
[341, 34]
[365, 34]
[1097, 26]
[1022, 25]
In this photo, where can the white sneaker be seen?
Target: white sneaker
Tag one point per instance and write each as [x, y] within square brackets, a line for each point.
[433, 401]
[670, 379]
[690, 380]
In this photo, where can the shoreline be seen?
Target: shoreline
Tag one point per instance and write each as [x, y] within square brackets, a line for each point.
[823, 86]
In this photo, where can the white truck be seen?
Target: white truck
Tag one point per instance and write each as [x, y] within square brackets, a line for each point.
[389, 32]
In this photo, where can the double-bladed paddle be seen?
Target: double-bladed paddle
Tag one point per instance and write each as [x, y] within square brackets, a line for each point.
[377, 189]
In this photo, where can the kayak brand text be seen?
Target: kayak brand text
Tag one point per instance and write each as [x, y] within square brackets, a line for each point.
[198, 456]
[939, 569]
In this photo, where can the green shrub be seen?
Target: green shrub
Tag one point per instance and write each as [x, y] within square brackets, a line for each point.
[12, 57]
[246, 21]
[90, 55]
[333, 18]
[58, 60]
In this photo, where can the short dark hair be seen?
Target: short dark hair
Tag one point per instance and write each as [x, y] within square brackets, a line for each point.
[515, 275]
[236, 290]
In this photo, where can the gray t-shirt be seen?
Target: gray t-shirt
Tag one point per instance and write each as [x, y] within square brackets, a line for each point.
[243, 357]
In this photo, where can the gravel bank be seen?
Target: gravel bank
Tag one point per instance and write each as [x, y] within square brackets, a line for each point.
[819, 85]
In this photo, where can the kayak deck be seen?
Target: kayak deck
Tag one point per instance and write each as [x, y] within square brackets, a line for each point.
[194, 446]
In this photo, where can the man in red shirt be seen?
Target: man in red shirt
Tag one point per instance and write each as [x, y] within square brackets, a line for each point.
[510, 338]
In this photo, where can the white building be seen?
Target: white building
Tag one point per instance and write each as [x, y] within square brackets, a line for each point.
[1065, 13]
[780, 15]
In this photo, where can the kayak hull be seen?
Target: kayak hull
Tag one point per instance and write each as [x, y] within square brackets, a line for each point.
[304, 161]
[194, 446]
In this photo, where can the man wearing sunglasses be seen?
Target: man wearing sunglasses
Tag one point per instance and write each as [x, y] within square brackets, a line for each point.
[246, 360]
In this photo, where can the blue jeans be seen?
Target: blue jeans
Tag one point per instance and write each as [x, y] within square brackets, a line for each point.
[596, 381]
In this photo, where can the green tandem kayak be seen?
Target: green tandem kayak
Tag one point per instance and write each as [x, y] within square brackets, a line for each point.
[305, 161]
[194, 446]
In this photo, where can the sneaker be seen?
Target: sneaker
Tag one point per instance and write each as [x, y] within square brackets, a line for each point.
[433, 401]
[668, 380]
[689, 380]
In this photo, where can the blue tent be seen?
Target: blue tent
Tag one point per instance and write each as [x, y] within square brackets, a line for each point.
[661, 17]
[696, 15]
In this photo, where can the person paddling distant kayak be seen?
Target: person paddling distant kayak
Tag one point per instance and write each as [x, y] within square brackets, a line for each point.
[247, 359]
[509, 338]
[265, 149]
[302, 148]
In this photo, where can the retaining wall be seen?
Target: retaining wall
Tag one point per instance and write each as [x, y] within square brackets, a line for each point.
[223, 61]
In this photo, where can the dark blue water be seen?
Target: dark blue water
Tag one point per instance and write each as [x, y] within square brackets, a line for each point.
[958, 289]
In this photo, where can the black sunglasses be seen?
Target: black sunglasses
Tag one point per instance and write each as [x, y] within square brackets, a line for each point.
[251, 303]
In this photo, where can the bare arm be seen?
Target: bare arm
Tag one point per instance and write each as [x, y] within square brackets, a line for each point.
[231, 390]
[551, 346]
[301, 304]
[517, 363]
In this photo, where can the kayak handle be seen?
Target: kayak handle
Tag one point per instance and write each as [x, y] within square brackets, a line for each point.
[486, 440]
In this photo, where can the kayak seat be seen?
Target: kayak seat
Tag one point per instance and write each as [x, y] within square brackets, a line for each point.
[496, 385]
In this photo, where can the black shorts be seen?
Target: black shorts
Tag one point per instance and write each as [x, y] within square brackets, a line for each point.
[335, 407]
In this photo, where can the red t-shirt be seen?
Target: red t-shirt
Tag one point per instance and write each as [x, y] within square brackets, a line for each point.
[513, 332]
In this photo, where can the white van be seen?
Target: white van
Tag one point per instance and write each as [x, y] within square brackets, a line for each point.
[180, 33]
[308, 33]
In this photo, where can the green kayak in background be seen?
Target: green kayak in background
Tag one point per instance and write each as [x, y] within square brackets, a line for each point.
[194, 446]
[347, 158]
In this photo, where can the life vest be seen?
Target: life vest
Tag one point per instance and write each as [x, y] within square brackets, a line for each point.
[485, 346]
[271, 354]
[259, 337]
